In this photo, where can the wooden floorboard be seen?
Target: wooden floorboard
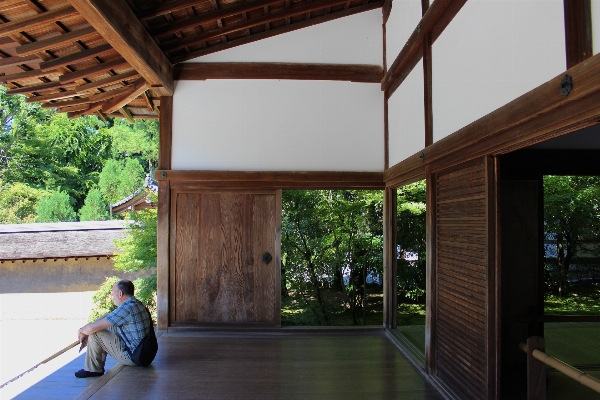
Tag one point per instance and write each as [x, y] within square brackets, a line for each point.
[194, 365]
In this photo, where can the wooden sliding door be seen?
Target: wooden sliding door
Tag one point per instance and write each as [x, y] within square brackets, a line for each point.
[465, 284]
[225, 258]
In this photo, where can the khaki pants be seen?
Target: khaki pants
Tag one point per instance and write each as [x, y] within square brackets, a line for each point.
[102, 343]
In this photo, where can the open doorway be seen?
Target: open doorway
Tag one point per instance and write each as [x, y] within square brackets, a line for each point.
[332, 258]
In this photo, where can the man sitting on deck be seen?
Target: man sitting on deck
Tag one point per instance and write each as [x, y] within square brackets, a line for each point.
[116, 332]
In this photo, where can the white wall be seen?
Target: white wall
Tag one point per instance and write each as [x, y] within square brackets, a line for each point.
[406, 117]
[356, 39]
[491, 53]
[596, 26]
[270, 125]
[404, 18]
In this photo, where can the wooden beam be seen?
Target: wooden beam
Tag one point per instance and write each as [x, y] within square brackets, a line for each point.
[578, 31]
[12, 61]
[166, 132]
[390, 270]
[53, 96]
[68, 103]
[35, 89]
[107, 81]
[164, 208]
[74, 58]
[127, 114]
[27, 75]
[55, 41]
[36, 21]
[212, 16]
[276, 180]
[538, 115]
[430, 273]
[119, 26]
[93, 71]
[386, 10]
[118, 102]
[427, 88]
[166, 8]
[92, 108]
[148, 100]
[277, 31]
[241, 25]
[435, 20]
[332, 72]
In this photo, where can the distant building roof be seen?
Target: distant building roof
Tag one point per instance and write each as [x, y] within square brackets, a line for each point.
[59, 240]
[139, 199]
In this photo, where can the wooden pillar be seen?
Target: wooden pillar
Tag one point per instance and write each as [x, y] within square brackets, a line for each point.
[427, 84]
[578, 31]
[164, 205]
[430, 281]
[390, 297]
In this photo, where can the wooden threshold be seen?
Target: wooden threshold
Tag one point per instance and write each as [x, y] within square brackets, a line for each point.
[274, 180]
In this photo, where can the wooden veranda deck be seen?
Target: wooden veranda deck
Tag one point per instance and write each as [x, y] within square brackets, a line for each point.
[313, 365]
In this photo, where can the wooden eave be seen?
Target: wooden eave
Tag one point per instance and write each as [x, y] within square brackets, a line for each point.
[116, 59]
[50, 53]
[186, 29]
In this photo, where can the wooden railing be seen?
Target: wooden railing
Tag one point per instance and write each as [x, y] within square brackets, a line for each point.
[52, 357]
[536, 369]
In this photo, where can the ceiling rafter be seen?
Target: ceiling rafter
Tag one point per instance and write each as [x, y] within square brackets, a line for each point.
[276, 31]
[118, 25]
[241, 25]
[215, 15]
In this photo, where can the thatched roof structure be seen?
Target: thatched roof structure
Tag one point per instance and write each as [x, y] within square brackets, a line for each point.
[59, 240]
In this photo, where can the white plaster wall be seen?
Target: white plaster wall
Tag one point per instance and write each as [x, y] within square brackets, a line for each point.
[270, 125]
[491, 53]
[595, 26]
[404, 18]
[356, 39]
[406, 117]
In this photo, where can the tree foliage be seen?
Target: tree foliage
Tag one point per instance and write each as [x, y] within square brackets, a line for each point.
[18, 203]
[411, 241]
[135, 252]
[571, 219]
[94, 208]
[55, 207]
[327, 235]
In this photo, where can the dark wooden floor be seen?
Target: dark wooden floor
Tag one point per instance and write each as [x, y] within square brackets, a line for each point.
[357, 365]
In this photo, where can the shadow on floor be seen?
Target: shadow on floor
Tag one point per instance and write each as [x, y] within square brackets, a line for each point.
[62, 384]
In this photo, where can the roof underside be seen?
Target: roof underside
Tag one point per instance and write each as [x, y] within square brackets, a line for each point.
[58, 53]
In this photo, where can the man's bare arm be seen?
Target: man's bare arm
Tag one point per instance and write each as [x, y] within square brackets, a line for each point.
[98, 325]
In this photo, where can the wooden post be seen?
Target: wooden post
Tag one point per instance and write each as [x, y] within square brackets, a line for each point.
[390, 298]
[536, 370]
[164, 206]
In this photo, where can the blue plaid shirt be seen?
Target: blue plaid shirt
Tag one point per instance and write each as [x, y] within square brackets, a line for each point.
[131, 322]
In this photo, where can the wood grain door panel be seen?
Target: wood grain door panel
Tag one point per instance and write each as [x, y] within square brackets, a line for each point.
[220, 275]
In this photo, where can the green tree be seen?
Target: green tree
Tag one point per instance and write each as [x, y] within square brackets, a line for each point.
[139, 140]
[131, 177]
[55, 207]
[94, 208]
[411, 242]
[571, 218]
[135, 252]
[18, 203]
[120, 179]
[328, 234]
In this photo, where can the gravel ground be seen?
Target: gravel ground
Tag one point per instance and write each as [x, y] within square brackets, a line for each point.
[34, 326]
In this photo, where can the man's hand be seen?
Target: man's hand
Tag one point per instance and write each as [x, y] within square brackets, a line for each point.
[94, 327]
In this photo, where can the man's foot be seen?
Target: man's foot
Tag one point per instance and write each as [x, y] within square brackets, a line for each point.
[82, 373]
